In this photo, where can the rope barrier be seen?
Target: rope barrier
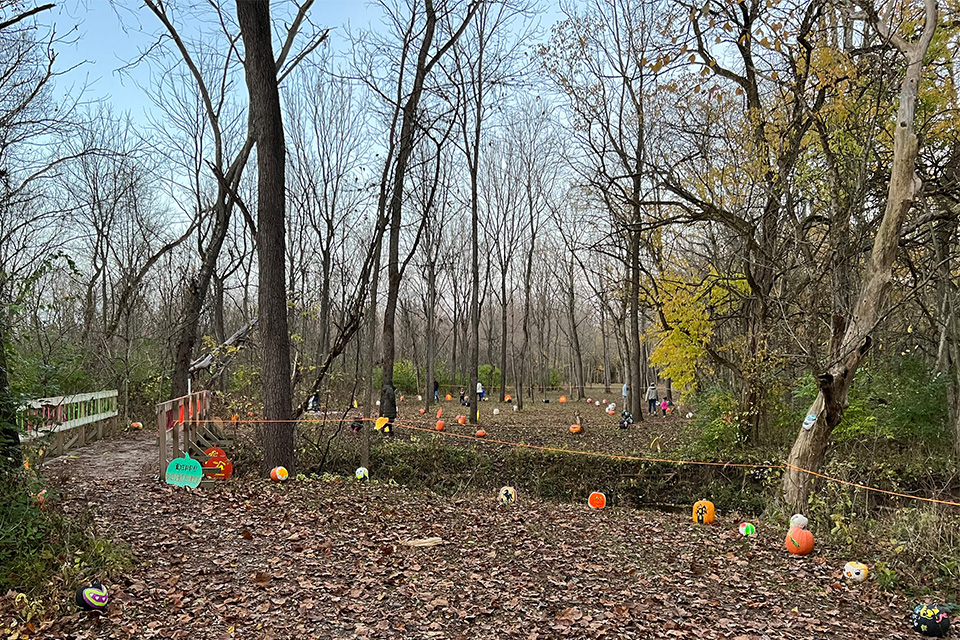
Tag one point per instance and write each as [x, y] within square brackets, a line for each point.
[784, 466]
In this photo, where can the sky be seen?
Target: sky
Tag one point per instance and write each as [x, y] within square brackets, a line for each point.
[109, 34]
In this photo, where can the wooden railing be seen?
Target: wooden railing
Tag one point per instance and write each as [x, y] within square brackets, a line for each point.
[183, 425]
[72, 421]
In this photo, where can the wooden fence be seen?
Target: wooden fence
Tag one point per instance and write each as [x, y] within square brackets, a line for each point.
[72, 421]
[184, 421]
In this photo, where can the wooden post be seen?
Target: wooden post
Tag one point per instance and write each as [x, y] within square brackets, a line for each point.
[162, 440]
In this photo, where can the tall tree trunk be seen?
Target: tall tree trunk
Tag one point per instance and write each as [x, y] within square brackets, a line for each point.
[266, 124]
[576, 356]
[369, 409]
[503, 335]
[11, 456]
[431, 312]
[606, 348]
[633, 350]
[834, 384]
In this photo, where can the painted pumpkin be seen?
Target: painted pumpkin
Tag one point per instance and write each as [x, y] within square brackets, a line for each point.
[93, 597]
[704, 512]
[747, 529]
[576, 428]
[279, 474]
[481, 433]
[381, 422]
[496, 412]
[507, 495]
[928, 620]
[855, 571]
[216, 452]
[596, 403]
[440, 425]
[136, 425]
[462, 419]
[563, 398]
[597, 500]
[361, 474]
[799, 541]
[449, 397]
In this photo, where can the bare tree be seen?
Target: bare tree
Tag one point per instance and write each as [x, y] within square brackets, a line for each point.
[851, 349]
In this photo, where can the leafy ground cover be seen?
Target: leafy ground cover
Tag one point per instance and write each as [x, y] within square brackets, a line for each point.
[335, 558]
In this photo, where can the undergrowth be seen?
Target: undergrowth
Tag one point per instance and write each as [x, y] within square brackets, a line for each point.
[46, 553]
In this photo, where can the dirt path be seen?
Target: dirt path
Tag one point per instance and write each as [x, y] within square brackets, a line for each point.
[327, 559]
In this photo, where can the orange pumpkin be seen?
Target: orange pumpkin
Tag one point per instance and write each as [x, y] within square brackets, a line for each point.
[575, 428]
[799, 541]
[597, 500]
[439, 412]
[563, 398]
[449, 397]
[440, 425]
[279, 474]
[610, 413]
[462, 419]
[422, 411]
[481, 433]
[703, 512]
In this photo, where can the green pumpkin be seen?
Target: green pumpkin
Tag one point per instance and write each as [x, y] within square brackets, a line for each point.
[184, 472]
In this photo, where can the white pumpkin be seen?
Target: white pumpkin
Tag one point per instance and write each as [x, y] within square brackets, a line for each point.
[855, 571]
[799, 520]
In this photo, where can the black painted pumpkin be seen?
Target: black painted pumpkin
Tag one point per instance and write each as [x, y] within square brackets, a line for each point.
[930, 620]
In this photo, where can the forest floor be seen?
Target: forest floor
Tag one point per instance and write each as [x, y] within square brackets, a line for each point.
[251, 559]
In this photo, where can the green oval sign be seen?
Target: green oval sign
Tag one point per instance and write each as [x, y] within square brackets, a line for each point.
[184, 472]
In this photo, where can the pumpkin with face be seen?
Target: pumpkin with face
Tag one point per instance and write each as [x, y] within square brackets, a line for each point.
[855, 571]
[361, 474]
[597, 500]
[799, 541]
[929, 620]
[507, 495]
[575, 428]
[93, 597]
[704, 512]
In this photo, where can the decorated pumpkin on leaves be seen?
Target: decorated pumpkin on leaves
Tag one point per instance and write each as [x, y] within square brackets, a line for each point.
[855, 571]
[747, 529]
[507, 495]
[575, 428]
[441, 425]
[597, 500]
[704, 512]
[361, 474]
[930, 620]
[481, 433]
[93, 597]
[563, 398]
[422, 411]
[799, 541]
[279, 474]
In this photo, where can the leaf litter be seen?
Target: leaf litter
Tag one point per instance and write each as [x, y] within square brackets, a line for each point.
[328, 559]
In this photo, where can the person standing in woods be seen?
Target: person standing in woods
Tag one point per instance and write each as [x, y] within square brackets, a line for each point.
[388, 408]
[436, 391]
[652, 399]
[624, 394]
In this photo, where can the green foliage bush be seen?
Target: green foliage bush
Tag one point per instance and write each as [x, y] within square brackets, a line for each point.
[43, 546]
[899, 399]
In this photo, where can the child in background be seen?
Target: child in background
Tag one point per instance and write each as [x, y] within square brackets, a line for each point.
[663, 407]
